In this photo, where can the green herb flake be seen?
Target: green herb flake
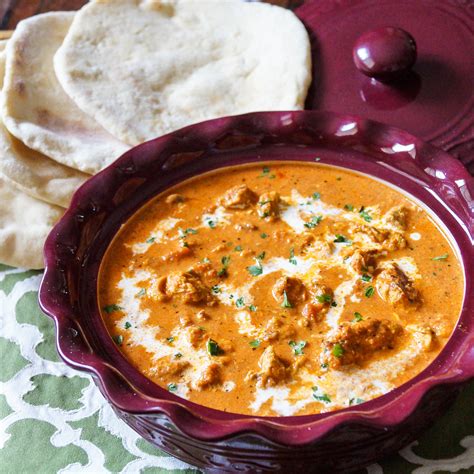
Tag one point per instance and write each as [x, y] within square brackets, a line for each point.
[365, 215]
[349, 207]
[170, 339]
[255, 343]
[324, 366]
[366, 277]
[239, 302]
[324, 298]
[357, 317]
[110, 308]
[286, 303]
[316, 196]
[337, 350]
[315, 220]
[263, 235]
[225, 264]
[255, 270]
[184, 233]
[252, 308]
[238, 248]
[261, 256]
[172, 387]
[211, 223]
[341, 239]
[216, 290]
[142, 292]
[127, 325]
[355, 401]
[118, 340]
[297, 347]
[292, 258]
[369, 291]
[323, 397]
[178, 355]
[213, 348]
[150, 240]
[440, 257]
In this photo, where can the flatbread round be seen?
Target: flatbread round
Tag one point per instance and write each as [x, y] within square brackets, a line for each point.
[25, 223]
[35, 108]
[32, 172]
[145, 68]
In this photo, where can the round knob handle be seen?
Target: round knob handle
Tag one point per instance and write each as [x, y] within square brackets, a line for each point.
[385, 54]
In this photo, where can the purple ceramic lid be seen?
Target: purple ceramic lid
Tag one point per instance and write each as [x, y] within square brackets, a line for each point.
[434, 102]
[75, 247]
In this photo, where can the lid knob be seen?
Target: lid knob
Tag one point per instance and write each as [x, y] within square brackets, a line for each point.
[385, 53]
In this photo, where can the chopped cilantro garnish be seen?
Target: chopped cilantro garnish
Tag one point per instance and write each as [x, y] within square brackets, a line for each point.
[170, 339]
[225, 264]
[315, 220]
[252, 307]
[255, 343]
[266, 173]
[365, 215]
[292, 258]
[323, 397]
[216, 290]
[263, 235]
[178, 355]
[324, 365]
[333, 304]
[211, 223]
[369, 291]
[127, 325]
[440, 257]
[118, 340]
[355, 401]
[257, 269]
[286, 303]
[150, 240]
[239, 302]
[316, 196]
[142, 292]
[357, 317]
[238, 248]
[172, 387]
[341, 239]
[213, 348]
[349, 207]
[366, 277]
[262, 203]
[110, 308]
[261, 256]
[297, 347]
[324, 298]
[184, 233]
[337, 350]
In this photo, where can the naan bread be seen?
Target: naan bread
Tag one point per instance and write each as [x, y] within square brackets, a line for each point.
[32, 172]
[25, 223]
[145, 68]
[35, 108]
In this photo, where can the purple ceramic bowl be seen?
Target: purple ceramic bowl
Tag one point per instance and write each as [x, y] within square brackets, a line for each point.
[332, 442]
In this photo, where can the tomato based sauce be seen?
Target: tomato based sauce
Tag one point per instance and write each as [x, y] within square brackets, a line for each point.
[280, 289]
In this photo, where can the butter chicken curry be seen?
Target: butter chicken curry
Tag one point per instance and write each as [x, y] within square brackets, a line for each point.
[280, 289]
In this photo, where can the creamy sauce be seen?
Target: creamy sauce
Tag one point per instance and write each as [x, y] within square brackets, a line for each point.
[280, 289]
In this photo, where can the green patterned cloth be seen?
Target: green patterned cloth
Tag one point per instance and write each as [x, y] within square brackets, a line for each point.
[53, 418]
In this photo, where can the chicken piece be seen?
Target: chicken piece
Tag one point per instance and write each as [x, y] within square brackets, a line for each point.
[169, 367]
[174, 199]
[354, 343]
[397, 217]
[424, 336]
[238, 197]
[208, 375]
[321, 295]
[395, 288]
[195, 335]
[293, 288]
[276, 329]
[273, 369]
[312, 313]
[182, 251]
[268, 205]
[319, 249]
[185, 287]
[370, 234]
[363, 260]
[395, 241]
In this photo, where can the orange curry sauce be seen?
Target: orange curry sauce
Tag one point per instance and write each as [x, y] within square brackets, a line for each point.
[280, 289]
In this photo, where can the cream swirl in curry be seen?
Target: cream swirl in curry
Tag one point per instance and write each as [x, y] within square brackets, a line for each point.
[280, 289]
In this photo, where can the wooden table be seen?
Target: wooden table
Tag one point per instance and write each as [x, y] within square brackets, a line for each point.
[12, 11]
